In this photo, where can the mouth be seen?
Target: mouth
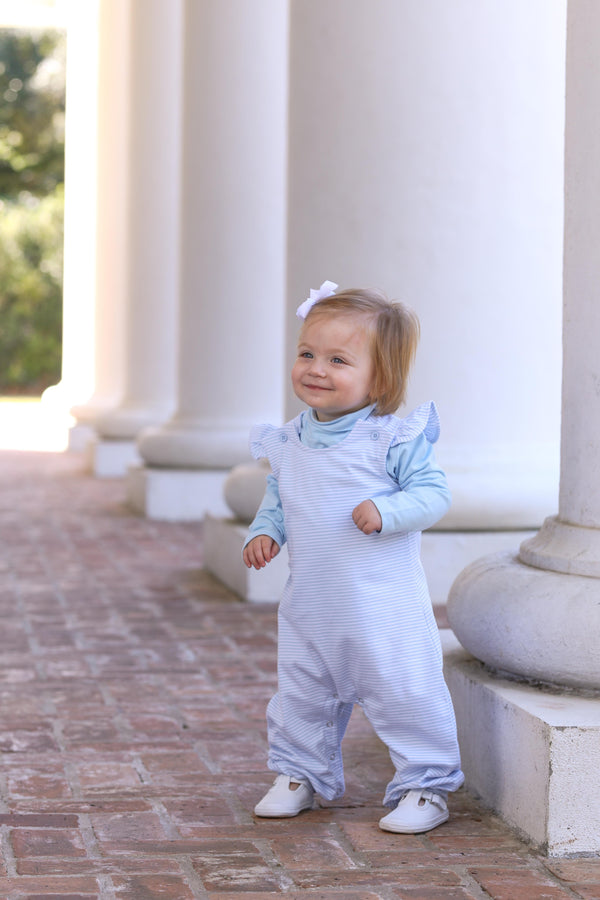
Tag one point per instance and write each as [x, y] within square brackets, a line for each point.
[316, 387]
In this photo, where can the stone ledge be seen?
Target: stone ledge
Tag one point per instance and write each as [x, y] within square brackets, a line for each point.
[176, 495]
[223, 543]
[532, 755]
[110, 458]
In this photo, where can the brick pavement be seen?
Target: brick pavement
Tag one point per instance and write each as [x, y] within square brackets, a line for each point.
[132, 695]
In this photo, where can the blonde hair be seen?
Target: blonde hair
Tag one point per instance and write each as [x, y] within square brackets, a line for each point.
[394, 331]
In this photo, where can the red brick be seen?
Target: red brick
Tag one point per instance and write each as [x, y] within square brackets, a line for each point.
[38, 820]
[408, 876]
[138, 863]
[28, 783]
[89, 733]
[399, 858]
[61, 887]
[368, 836]
[173, 761]
[467, 844]
[236, 871]
[432, 893]
[152, 887]
[587, 891]
[507, 884]
[133, 827]
[581, 871]
[297, 895]
[47, 842]
[20, 740]
[107, 777]
[311, 853]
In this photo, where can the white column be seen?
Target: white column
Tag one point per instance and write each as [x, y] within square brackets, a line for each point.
[152, 164]
[111, 191]
[79, 272]
[571, 542]
[232, 254]
[426, 147]
[426, 153]
[537, 614]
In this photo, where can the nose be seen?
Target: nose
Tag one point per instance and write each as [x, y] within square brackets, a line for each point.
[316, 367]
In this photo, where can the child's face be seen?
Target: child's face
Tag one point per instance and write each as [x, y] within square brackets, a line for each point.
[333, 372]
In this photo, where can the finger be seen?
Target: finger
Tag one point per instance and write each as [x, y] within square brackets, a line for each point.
[253, 556]
[259, 557]
[264, 551]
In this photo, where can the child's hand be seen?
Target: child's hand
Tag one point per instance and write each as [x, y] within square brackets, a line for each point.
[260, 551]
[366, 517]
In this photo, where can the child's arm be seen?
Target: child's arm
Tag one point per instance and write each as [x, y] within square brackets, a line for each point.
[423, 496]
[266, 534]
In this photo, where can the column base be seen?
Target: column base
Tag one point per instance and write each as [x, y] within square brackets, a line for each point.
[532, 755]
[446, 553]
[562, 547]
[80, 437]
[538, 625]
[176, 495]
[223, 543]
[111, 458]
[125, 423]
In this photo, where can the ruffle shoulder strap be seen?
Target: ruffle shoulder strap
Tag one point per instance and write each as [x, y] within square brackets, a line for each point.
[422, 420]
[270, 441]
[259, 435]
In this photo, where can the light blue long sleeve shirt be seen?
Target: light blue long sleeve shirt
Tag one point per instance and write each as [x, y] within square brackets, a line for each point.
[422, 497]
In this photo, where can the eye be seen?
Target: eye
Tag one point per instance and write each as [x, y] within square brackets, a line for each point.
[338, 361]
[305, 354]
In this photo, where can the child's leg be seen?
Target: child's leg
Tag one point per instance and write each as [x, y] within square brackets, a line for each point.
[409, 705]
[306, 719]
[422, 744]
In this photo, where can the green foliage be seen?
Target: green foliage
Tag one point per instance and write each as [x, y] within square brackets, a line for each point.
[32, 107]
[32, 111]
[31, 293]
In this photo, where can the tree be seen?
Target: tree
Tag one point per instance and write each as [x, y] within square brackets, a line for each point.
[32, 112]
[32, 91]
[31, 294]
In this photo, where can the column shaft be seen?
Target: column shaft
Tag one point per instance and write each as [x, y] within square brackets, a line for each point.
[151, 219]
[580, 454]
[113, 112]
[77, 375]
[426, 153]
[232, 234]
[537, 615]
[570, 542]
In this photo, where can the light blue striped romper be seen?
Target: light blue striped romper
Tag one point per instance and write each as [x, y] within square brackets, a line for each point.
[355, 621]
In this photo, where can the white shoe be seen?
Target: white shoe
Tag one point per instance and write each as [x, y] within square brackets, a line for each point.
[417, 811]
[281, 800]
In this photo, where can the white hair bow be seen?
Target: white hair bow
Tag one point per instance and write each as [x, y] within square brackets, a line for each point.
[326, 290]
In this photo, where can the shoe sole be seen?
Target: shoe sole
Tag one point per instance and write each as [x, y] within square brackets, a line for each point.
[398, 829]
[281, 815]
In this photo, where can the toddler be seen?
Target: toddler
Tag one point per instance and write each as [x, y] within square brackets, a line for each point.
[352, 487]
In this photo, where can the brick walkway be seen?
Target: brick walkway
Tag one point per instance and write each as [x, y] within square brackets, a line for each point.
[133, 691]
